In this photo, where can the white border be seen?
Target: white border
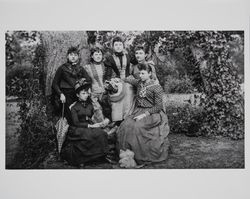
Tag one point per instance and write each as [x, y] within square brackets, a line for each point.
[123, 15]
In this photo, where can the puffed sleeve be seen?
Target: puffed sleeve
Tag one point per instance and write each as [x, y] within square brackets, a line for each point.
[75, 119]
[130, 79]
[158, 102]
[57, 80]
[84, 74]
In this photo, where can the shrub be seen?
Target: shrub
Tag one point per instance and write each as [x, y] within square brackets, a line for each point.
[174, 85]
[36, 138]
[184, 118]
[17, 80]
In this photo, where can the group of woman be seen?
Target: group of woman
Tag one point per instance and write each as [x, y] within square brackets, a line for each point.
[112, 90]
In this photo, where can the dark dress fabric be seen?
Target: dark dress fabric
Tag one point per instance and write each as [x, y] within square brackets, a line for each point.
[64, 82]
[112, 67]
[83, 144]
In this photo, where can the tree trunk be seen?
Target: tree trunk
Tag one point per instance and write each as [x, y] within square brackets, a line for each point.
[56, 44]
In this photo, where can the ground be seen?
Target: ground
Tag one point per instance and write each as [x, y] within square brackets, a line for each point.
[185, 152]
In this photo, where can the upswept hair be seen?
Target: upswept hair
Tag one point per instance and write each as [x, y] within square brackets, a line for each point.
[73, 49]
[117, 39]
[141, 47]
[144, 66]
[96, 49]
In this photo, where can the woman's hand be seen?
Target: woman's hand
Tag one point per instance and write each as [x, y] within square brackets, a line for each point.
[62, 98]
[139, 117]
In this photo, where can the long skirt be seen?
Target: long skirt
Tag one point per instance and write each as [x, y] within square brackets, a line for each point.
[84, 144]
[147, 138]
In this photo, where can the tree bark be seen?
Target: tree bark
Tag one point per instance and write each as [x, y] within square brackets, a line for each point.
[56, 44]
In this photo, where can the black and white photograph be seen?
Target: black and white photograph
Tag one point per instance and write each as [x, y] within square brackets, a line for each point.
[124, 99]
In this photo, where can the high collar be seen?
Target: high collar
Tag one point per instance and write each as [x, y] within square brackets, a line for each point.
[119, 54]
[73, 64]
[147, 83]
[97, 63]
[83, 103]
[143, 62]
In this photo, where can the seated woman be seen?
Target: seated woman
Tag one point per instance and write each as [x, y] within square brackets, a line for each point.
[84, 141]
[145, 131]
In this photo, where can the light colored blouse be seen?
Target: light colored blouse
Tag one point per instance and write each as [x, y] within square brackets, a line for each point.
[96, 73]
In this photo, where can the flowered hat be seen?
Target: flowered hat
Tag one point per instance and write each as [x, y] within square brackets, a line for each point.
[82, 84]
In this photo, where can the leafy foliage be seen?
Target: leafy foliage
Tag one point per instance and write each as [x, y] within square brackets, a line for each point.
[20, 51]
[36, 138]
[174, 85]
[184, 118]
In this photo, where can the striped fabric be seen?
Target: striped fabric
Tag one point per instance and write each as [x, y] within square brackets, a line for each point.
[149, 95]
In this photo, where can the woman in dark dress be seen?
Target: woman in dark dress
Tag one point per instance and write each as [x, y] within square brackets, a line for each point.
[118, 66]
[84, 141]
[117, 63]
[65, 80]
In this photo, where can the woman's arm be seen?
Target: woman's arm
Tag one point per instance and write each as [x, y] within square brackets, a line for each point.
[154, 76]
[158, 102]
[57, 80]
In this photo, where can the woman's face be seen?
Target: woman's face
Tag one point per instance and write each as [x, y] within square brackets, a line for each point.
[140, 55]
[144, 75]
[83, 95]
[97, 56]
[73, 57]
[118, 46]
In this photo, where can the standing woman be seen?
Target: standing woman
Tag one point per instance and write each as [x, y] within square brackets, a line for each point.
[118, 65]
[85, 141]
[96, 71]
[65, 80]
[145, 131]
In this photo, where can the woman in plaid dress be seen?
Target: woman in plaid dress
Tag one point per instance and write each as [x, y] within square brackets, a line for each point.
[145, 131]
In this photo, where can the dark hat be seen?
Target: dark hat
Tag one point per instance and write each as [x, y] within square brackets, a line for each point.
[73, 49]
[82, 84]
